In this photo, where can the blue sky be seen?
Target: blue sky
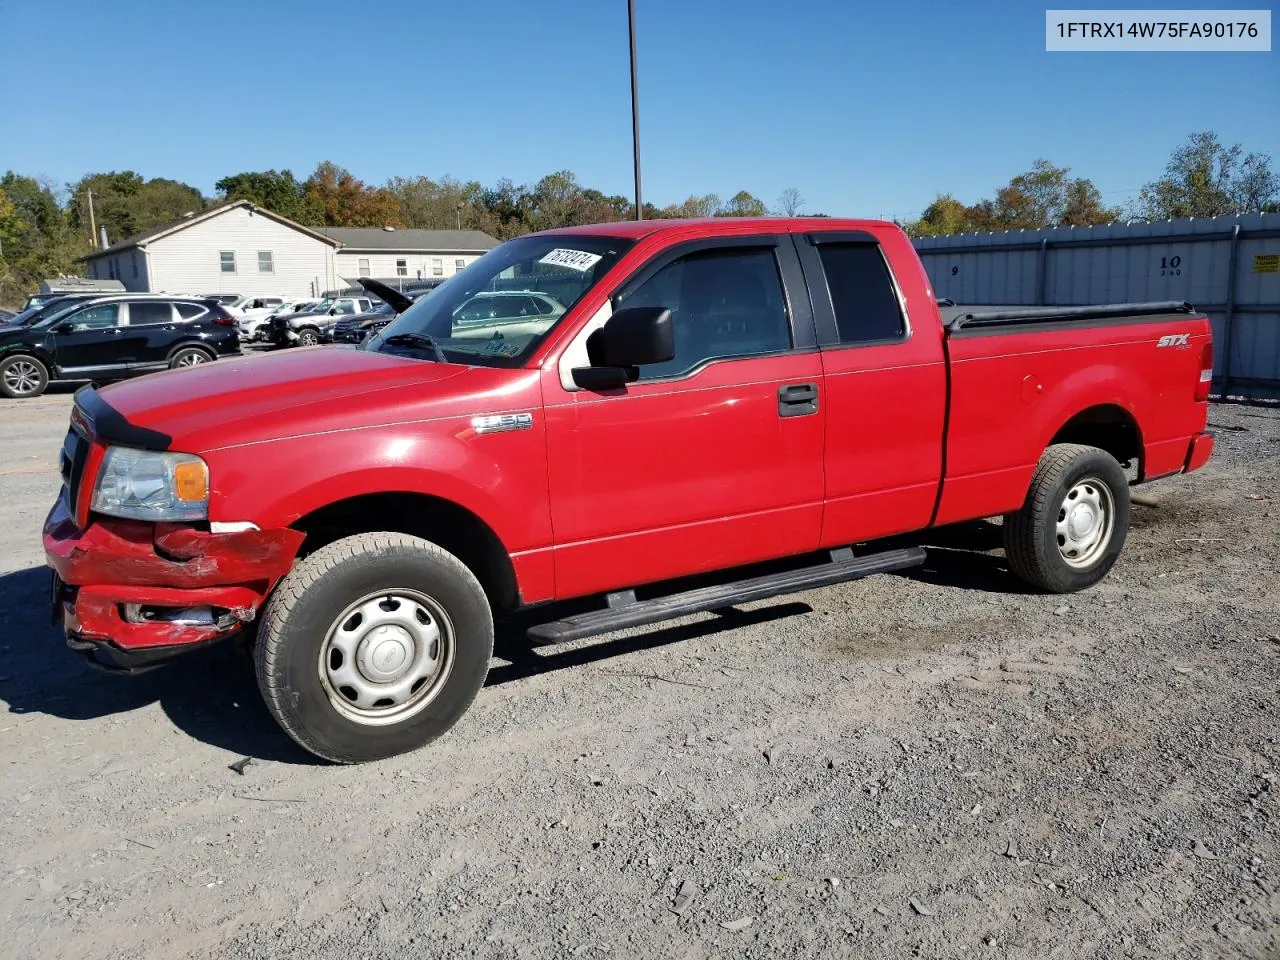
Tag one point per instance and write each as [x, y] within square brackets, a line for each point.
[866, 108]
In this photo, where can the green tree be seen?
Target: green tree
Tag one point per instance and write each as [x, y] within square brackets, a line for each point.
[278, 192]
[693, 207]
[742, 204]
[126, 204]
[1205, 178]
[36, 240]
[945, 216]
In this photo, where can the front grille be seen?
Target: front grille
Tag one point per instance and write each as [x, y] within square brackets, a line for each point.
[75, 451]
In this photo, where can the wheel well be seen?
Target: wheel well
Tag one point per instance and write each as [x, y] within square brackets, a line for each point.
[1108, 427]
[452, 527]
[30, 356]
[207, 351]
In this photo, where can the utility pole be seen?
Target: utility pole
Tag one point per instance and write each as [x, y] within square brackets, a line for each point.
[93, 229]
[635, 107]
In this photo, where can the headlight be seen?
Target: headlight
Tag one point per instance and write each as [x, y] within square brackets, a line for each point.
[144, 485]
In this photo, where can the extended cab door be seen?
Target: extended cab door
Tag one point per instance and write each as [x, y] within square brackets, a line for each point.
[710, 460]
[886, 383]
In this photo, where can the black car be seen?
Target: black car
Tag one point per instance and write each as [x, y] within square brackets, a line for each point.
[394, 302]
[113, 337]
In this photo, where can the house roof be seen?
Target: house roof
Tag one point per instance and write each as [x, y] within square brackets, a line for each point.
[155, 233]
[437, 241]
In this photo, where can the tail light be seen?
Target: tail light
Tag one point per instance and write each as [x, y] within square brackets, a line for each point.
[224, 319]
[1206, 372]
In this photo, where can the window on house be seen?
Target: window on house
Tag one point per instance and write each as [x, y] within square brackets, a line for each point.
[458, 265]
[437, 267]
[402, 268]
[266, 262]
[364, 266]
[862, 293]
[227, 261]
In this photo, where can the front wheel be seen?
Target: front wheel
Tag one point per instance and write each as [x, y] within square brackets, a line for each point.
[373, 646]
[1070, 530]
[308, 337]
[22, 377]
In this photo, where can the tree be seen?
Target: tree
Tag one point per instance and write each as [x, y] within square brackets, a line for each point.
[945, 216]
[446, 205]
[1205, 178]
[343, 201]
[790, 202]
[35, 241]
[278, 192]
[742, 204]
[126, 204]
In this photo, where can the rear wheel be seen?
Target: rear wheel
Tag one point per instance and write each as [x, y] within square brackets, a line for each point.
[23, 376]
[373, 646]
[189, 357]
[1072, 526]
[308, 337]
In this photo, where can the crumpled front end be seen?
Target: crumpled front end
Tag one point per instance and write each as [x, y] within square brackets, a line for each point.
[131, 593]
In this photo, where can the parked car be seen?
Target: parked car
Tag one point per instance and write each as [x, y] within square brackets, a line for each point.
[61, 286]
[231, 300]
[714, 394]
[109, 338]
[356, 327]
[304, 329]
[46, 306]
[7, 315]
[254, 312]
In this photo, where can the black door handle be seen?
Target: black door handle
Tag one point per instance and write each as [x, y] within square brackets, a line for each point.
[797, 399]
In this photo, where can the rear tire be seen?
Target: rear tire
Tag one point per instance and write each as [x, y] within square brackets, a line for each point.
[1070, 530]
[23, 376]
[190, 357]
[373, 646]
[308, 337]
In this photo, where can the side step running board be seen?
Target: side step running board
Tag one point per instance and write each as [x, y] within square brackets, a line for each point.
[843, 566]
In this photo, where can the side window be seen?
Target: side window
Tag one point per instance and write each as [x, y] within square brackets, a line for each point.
[363, 265]
[144, 312]
[862, 293]
[724, 304]
[345, 307]
[189, 311]
[102, 317]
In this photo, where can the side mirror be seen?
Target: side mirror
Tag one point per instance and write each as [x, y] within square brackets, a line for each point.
[632, 337]
[65, 327]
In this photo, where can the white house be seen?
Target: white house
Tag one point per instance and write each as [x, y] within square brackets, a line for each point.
[237, 247]
[388, 253]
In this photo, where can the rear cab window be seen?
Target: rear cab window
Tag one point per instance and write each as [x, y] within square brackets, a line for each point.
[863, 295]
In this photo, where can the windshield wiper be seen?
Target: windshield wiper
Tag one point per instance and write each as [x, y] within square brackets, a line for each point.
[416, 340]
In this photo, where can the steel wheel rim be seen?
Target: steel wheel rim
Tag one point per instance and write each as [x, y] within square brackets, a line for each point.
[22, 377]
[387, 656]
[191, 359]
[308, 339]
[1085, 523]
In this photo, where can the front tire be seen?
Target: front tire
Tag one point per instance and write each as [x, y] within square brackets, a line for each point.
[190, 357]
[23, 376]
[307, 337]
[1070, 530]
[373, 646]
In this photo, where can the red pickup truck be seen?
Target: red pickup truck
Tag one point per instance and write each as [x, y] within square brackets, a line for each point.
[600, 412]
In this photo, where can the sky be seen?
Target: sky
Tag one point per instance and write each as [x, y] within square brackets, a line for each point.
[868, 109]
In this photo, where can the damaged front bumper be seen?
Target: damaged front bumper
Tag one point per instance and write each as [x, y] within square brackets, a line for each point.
[132, 594]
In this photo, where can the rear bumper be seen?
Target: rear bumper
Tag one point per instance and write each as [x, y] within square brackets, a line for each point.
[1199, 452]
[127, 590]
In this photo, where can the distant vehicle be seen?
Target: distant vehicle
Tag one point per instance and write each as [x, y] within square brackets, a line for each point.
[355, 328]
[304, 329]
[6, 316]
[60, 286]
[255, 324]
[57, 302]
[507, 306]
[110, 338]
[226, 299]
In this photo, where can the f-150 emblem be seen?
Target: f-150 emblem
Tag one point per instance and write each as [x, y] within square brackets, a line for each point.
[499, 422]
[1173, 340]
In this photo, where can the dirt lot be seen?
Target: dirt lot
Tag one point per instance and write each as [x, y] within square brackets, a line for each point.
[933, 765]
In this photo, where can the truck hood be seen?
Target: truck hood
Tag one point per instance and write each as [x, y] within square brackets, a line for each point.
[286, 394]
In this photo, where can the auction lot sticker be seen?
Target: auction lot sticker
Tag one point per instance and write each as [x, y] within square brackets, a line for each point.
[1170, 31]
[573, 259]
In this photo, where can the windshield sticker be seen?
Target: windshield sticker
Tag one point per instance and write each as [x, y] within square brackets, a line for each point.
[578, 260]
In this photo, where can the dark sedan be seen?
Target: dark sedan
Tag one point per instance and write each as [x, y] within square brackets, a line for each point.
[113, 337]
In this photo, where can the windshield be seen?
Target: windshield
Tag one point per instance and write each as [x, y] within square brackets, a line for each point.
[26, 316]
[497, 310]
[320, 307]
[54, 312]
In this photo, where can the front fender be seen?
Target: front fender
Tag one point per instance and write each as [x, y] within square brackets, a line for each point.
[499, 477]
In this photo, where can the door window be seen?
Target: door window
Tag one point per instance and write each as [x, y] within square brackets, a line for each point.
[724, 304]
[142, 313]
[862, 293]
[102, 317]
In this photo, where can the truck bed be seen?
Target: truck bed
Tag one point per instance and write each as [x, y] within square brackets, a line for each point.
[986, 317]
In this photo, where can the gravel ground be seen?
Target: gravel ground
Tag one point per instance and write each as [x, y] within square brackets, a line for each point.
[934, 765]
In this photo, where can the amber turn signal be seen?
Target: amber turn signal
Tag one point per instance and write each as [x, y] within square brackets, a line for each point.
[191, 481]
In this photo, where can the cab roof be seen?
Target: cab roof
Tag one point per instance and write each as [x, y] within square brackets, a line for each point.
[637, 229]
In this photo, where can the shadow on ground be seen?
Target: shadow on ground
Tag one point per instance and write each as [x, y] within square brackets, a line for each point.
[212, 695]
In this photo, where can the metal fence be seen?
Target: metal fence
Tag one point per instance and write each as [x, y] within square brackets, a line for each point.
[1229, 267]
